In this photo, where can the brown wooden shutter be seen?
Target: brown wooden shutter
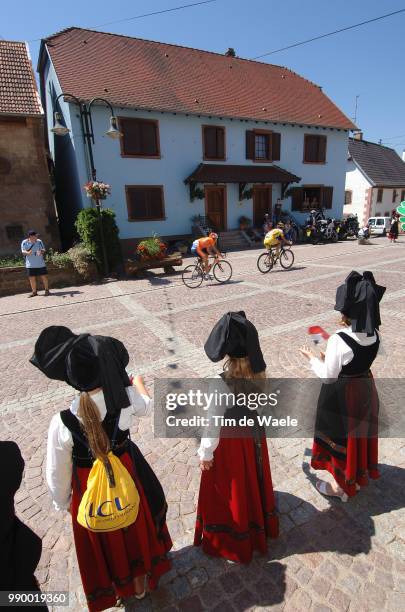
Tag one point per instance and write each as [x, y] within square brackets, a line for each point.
[250, 144]
[275, 146]
[131, 138]
[149, 138]
[155, 202]
[327, 197]
[145, 203]
[220, 143]
[321, 148]
[297, 194]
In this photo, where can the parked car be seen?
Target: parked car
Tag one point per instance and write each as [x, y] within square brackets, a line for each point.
[379, 225]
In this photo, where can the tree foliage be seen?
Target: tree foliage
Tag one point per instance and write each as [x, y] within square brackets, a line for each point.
[88, 227]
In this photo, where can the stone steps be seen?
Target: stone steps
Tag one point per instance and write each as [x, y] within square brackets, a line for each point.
[231, 240]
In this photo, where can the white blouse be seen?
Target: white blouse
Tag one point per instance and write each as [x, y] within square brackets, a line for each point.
[208, 445]
[339, 354]
[60, 442]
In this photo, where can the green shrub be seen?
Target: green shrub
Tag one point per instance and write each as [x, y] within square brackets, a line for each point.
[88, 228]
[82, 260]
[60, 260]
[11, 261]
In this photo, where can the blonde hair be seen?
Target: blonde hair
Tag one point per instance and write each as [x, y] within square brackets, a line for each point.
[91, 423]
[239, 367]
[345, 321]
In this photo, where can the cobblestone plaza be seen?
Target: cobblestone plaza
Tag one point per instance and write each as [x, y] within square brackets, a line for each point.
[329, 556]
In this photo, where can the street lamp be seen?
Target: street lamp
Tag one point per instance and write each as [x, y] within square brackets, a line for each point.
[87, 128]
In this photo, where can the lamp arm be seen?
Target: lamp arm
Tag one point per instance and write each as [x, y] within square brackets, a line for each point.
[101, 100]
[67, 95]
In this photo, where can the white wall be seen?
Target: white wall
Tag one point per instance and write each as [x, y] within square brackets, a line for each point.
[357, 183]
[181, 152]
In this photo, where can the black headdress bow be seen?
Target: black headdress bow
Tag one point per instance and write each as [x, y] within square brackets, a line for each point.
[234, 335]
[85, 362]
[359, 299]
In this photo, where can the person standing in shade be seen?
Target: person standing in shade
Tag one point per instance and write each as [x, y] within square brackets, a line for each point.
[113, 564]
[33, 250]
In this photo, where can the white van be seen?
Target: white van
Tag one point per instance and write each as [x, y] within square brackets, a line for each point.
[379, 225]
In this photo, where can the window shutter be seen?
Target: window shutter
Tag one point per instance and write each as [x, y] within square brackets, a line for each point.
[275, 146]
[145, 203]
[220, 143]
[321, 148]
[149, 138]
[209, 142]
[131, 139]
[140, 137]
[250, 145]
[155, 203]
[327, 197]
[297, 194]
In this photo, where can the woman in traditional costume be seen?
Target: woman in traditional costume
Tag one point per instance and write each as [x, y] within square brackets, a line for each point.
[236, 509]
[346, 430]
[125, 562]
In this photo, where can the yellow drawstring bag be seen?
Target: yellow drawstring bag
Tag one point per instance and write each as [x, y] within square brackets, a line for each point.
[111, 500]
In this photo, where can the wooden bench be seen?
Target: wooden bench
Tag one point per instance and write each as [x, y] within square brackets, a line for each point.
[168, 263]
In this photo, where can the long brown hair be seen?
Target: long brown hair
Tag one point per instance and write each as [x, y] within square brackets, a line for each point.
[239, 367]
[91, 423]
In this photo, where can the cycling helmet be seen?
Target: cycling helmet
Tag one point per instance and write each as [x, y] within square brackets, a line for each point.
[214, 235]
[281, 225]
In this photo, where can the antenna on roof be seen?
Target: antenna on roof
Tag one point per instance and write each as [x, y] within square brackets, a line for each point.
[355, 108]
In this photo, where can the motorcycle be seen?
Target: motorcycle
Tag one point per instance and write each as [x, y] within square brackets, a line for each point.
[352, 226]
[341, 229]
[320, 230]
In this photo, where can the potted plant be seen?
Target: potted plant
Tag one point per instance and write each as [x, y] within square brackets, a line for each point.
[151, 248]
[97, 190]
[244, 222]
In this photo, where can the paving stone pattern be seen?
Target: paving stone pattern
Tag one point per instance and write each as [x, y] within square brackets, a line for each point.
[330, 556]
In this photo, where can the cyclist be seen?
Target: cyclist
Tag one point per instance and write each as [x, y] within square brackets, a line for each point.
[275, 238]
[207, 245]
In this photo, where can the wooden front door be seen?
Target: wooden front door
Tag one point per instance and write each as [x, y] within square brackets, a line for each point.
[261, 204]
[215, 206]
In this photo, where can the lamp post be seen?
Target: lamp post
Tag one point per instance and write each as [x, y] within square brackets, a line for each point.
[86, 123]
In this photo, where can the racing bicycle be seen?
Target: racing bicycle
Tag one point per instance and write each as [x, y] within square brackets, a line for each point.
[193, 275]
[269, 259]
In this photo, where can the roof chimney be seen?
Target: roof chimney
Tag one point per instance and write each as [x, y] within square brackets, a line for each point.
[358, 135]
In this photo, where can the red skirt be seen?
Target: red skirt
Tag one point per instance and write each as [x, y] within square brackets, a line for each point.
[109, 562]
[236, 509]
[352, 458]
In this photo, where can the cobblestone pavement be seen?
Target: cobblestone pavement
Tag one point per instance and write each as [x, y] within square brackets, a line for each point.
[329, 556]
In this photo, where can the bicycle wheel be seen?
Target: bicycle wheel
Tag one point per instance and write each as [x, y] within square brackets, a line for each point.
[192, 276]
[286, 259]
[265, 262]
[222, 271]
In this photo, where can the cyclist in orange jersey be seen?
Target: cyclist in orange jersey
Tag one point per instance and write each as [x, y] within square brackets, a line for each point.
[207, 245]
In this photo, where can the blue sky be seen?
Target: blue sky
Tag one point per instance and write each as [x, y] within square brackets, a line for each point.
[368, 61]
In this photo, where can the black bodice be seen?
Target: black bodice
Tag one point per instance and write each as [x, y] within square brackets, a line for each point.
[81, 454]
[363, 356]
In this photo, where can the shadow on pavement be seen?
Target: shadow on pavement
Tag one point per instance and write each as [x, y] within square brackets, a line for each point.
[345, 528]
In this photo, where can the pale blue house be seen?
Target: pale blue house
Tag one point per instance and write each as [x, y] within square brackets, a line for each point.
[202, 133]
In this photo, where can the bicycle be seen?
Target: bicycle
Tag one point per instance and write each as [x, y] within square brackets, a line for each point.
[269, 259]
[194, 274]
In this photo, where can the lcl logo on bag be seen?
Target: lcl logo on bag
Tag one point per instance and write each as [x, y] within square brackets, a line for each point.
[100, 512]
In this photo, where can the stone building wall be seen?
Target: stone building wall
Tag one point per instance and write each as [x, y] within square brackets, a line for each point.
[26, 199]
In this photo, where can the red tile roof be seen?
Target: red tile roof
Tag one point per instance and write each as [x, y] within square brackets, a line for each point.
[157, 76]
[218, 173]
[18, 91]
